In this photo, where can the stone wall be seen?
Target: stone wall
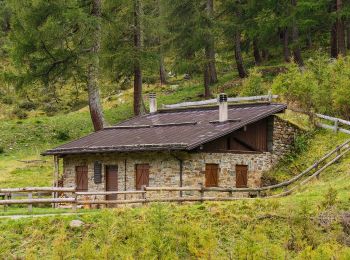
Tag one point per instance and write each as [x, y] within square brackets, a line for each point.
[165, 169]
[284, 134]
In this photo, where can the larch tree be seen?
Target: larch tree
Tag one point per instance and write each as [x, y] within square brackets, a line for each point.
[53, 43]
[137, 57]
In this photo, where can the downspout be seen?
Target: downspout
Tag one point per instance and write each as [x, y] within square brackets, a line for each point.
[181, 164]
[125, 178]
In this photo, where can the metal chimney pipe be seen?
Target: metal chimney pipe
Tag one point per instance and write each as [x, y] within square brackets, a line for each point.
[152, 103]
[223, 108]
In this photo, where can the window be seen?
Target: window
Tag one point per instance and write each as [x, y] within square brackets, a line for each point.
[211, 175]
[142, 176]
[81, 178]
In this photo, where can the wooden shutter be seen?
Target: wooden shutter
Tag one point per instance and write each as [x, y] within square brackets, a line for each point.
[97, 172]
[111, 181]
[241, 176]
[81, 178]
[211, 175]
[142, 176]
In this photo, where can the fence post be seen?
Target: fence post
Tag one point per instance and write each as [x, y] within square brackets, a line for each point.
[75, 196]
[143, 194]
[316, 168]
[269, 98]
[336, 125]
[201, 191]
[30, 206]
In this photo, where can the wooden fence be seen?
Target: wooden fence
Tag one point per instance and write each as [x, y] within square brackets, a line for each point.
[213, 101]
[76, 198]
[335, 123]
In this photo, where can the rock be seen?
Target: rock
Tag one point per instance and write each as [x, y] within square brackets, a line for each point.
[76, 223]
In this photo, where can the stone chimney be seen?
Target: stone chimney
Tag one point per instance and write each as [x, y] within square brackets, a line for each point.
[223, 108]
[152, 103]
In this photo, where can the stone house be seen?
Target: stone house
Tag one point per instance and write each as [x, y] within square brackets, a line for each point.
[224, 146]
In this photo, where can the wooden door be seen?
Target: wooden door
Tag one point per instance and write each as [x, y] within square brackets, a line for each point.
[211, 175]
[142, 176]
[241, 176]
[81, 178]
[111, 181]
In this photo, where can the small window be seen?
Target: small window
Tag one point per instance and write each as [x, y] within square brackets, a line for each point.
[97, 172]
[142, 175]
[211, 175]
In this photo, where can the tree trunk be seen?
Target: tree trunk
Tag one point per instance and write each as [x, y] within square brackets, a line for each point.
[238, 56]
[295, 36]
[162, 71]
[256, 52]
[334, 42]
[92, 74]
[348, 35]
[265, 54]
[286, 50]
[206, 74]
[340, 30]
[210, 48]
[137, 61]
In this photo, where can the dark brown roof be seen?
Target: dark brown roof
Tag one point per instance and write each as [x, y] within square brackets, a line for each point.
[180, 129]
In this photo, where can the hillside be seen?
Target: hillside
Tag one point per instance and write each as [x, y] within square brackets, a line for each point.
[312, 224]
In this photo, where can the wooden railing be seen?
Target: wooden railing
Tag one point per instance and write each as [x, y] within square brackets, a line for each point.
[75, 198]
[335, 123]
[213, 101]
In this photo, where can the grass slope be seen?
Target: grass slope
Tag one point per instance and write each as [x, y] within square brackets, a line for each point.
[307, 225]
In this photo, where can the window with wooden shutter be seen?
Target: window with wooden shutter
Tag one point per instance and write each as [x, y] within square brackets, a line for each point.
[211, 175]
[97, 172]
[81, 178]
[241, 176]
[142, 175]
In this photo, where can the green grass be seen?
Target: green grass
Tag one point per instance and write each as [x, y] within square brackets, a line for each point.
[287, 228]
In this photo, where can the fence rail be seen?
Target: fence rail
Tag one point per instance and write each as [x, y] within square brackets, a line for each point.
[335, 121]
[268, 97]
[75, 198]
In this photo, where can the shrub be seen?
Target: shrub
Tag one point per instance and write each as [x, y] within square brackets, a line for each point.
[19, 113]
[7, 100]
[27, 105]
[62, 135]
[50, 109]
[254, 84]
[322, 86]
[330, 198]
[2, 150]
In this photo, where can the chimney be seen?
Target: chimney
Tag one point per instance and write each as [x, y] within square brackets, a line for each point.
[152, 103]
[223, 108]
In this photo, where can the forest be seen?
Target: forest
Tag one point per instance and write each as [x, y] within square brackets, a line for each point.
[60, 55]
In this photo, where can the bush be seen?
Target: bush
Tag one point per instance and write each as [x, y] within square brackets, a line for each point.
[2, 150]
[254, 84]
[322, 86]
[50, 109]
[27, 105]
[7, 100]
[19, 113]
[62, 135]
